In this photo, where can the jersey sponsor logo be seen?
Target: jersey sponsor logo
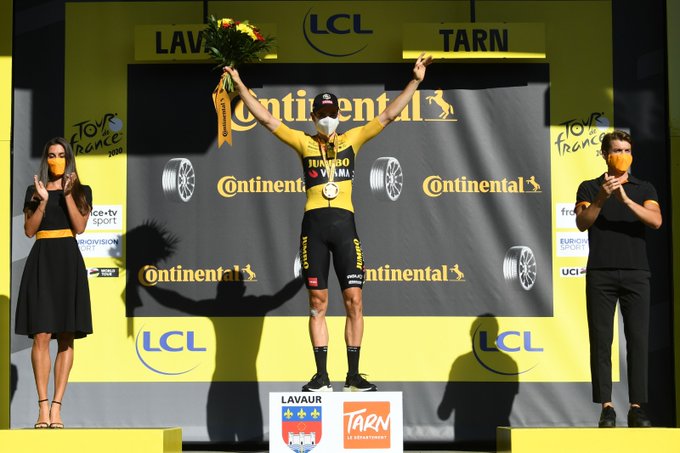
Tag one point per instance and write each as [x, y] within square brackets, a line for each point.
[355, 279]
[229, 186]
[434, 186]
[304, 254]
[320, 163]
[440, 273]
[150, 275]
[359, 254]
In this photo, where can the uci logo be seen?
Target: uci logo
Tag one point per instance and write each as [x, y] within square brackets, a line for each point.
[492, 349]
[572, 271]
[170, 353]
[323, 33]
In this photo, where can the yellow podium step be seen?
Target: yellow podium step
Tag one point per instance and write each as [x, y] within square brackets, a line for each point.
[587, 440]
[86, 440]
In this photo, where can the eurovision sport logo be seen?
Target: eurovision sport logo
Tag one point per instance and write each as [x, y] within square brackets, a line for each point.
[301, 426]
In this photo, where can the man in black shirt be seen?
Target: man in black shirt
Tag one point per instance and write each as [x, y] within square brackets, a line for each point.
[615, 209]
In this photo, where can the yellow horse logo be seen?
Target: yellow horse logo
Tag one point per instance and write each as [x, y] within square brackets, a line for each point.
[459, 274]
[438, 98]
[251, 274]
[536, 186]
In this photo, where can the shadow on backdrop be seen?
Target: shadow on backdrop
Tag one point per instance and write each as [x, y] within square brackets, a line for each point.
[13, 381]
[234, 412]
[480, 407]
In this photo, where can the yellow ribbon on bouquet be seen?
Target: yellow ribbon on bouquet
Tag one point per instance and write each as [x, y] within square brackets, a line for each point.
[222, 101]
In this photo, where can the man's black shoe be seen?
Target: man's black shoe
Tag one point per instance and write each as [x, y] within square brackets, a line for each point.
[318, 383]
[637, 418]
[357, 383]
[607, 418]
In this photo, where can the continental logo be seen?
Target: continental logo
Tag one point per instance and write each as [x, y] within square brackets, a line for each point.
[229, 186]
[151, 275]
[441, 273]
[434, 186]
[296, 107]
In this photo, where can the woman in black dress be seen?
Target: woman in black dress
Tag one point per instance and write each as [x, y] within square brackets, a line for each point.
[54, 298]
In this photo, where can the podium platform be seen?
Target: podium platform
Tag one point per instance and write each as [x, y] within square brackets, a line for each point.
[587, 440]
[88, 440]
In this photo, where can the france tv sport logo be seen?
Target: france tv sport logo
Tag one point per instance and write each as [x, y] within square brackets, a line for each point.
[168, 352]
[335, 35]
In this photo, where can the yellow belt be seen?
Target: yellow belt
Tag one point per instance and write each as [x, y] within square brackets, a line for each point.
[52, 234]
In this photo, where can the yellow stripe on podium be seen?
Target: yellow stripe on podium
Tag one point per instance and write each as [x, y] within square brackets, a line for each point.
[84, 440]
[586, 440]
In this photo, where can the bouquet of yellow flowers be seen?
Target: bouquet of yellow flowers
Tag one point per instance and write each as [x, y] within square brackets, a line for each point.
[231, 43]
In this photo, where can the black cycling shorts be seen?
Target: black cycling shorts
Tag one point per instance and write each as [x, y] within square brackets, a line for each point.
[329, 231]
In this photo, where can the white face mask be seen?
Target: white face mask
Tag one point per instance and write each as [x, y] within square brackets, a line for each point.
[327, 125]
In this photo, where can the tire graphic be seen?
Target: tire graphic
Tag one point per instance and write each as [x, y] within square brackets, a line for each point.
[386, 179]
[519, 266]
[179, 180]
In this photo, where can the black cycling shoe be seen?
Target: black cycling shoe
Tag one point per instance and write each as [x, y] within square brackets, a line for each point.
[607, 418]
[638, 419]
[357, 383]
[318, 383]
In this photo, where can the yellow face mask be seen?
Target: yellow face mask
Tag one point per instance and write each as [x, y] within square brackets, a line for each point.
[57, 165]
[621, 162]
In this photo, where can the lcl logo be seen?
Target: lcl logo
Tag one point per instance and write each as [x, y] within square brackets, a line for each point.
[164, 343]
[492, 349]
[316, 30]
[169, 353]
[503, 344]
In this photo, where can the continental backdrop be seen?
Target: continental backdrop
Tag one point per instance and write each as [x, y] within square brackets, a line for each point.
[474, 300]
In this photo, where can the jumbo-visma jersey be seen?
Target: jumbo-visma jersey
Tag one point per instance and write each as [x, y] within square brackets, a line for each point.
[347, 146]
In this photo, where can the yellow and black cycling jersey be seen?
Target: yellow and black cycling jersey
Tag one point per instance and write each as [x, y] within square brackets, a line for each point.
[315, 167]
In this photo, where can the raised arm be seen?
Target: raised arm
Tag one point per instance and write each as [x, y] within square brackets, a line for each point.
[261, 114]
[395, 107]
